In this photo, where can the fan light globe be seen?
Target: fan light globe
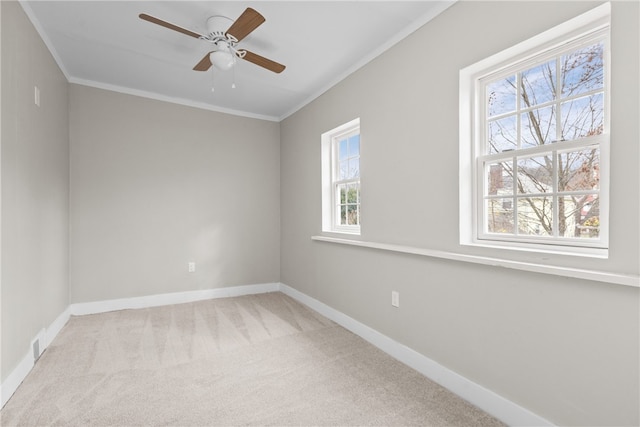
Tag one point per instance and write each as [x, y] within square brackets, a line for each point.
[222, 60]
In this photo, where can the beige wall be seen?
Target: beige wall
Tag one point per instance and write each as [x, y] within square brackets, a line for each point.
[35, 187]
[155, 185]
[566, 349]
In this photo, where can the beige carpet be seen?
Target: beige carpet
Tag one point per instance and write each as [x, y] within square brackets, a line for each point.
[252, 360]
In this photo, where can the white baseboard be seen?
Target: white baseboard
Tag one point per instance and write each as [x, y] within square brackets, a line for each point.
[485, 399]
[15, 378]
[54, 329]
[95, 307]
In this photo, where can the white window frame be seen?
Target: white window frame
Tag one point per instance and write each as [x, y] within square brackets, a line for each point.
[590, 26]
[330, 181]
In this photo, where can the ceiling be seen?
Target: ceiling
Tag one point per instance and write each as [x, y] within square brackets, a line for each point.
[104, 44]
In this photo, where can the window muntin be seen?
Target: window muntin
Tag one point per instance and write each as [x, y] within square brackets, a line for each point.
[542, 134]
[341, 179]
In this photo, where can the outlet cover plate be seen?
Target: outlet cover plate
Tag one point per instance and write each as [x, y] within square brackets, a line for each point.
[395, 298]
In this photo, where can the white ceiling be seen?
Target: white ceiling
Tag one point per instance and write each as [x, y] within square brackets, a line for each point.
[104, 44]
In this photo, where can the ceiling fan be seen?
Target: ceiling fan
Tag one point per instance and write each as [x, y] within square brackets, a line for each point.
[224, 53]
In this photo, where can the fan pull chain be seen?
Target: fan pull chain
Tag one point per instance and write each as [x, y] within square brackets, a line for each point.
[233, 84]
[213, 80]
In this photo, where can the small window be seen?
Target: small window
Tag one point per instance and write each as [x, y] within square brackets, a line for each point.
[341, 179]
[537, 135]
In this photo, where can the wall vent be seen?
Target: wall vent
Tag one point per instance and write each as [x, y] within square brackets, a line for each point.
[36, 349]
[36, 345]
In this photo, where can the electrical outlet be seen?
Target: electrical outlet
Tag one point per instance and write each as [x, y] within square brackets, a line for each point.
[395, 298]
[192, 267]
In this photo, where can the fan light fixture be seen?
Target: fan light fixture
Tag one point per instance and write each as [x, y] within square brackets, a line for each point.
[222, 60]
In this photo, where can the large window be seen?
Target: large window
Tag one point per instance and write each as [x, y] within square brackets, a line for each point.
[341, 179]
[539, 139]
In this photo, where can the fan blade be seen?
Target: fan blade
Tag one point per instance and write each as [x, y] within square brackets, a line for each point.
[263, 62]
[245, 24]
[168, 25]
[204, 64]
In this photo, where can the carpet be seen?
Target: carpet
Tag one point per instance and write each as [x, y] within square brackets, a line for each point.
[252, 360]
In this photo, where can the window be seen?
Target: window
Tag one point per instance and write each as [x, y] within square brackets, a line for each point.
[535, 141]
[341, 179]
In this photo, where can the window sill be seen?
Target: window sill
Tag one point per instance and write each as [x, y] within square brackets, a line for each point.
[343, 232]
[594, 275]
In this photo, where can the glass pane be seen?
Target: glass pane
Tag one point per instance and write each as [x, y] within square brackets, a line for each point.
[579, 216]
[352, 193]
[582, 117]
[538, 84]
[535, 175]
[344, 170]
[582, 70]
[343, 215]
[579, 170]
[502, 135]
[354, 168]
[343, 193]
[501, 96]
[500, 216]
[352, 215]
[342, 149]
[354, 146]
[539, 127]
[500, 179]
[535, 216]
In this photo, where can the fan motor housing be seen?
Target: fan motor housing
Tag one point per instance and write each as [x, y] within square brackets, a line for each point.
[218, 25]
